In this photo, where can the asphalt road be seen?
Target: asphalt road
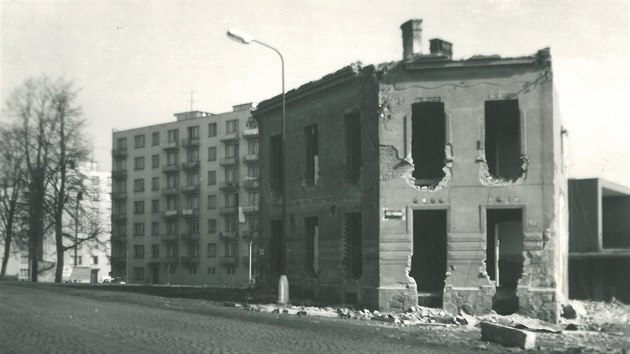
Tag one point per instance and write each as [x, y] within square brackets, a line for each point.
[57, 319]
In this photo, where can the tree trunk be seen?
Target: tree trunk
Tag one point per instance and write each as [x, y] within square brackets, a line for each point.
[60, 258]
[36, 222]
[7, 250]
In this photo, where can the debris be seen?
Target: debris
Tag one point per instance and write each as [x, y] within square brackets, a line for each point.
[507, 336]
[573, 310]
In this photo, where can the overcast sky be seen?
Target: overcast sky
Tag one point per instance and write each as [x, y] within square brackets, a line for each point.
[136, 63]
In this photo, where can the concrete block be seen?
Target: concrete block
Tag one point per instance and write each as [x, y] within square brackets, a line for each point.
[507, 336]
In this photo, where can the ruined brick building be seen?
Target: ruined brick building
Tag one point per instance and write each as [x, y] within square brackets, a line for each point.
[428, 180]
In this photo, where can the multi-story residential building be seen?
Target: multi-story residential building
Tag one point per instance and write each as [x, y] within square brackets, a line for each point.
[185, 200]
[428, 180]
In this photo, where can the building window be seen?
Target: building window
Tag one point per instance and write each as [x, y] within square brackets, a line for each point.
[138, 229]
[79, 260]
[192, 226]
[155, 161]
[121, 143]
[212, 178]
[155, 228]
[171, 182]
[212, 226]
[138, 273]
[171, 203]
[138, 185]
[212, 201]
[231, 151]
[192, 269]
[155, 206]
[171, 227]
[193, 132]
[120, 186]
[155, 251]
[120, 165]
[252, 172]
[138, 207]
[138, 163]
[252, 222]
[192, 155]
[352, 127]
[230, 223]
[155, 139]
[192, 179]
[171, 158]
[230, 270]
[311, 239]
[212, 130]
[94, 260]
[138, 251]
[212, 153]
[230, 249]
[352, 245]
[503, 139]
[211, 270]
[138, 141]
[212, 250]
[173, 135]
[193, 250]
[253, 198]
[171, 250]
[155, 183]
[231, 200]
[192, 202]
[275, 163]
[120, 207]
[252, 147]
[231, 126]
[231, 174]
[311, 159]
[171, 269]
[428, 140]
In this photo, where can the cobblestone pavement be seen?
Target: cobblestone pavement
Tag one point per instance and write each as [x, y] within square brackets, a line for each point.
[57, 319]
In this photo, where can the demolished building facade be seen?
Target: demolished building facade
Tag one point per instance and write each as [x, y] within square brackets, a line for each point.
[428, 180]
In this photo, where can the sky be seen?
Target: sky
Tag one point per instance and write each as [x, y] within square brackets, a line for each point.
[136, 63]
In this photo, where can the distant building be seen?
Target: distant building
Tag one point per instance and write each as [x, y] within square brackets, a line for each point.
[599, 242]
[429, 180]
[185, 200]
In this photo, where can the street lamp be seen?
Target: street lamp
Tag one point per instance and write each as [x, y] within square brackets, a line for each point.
[244, 38]
[76, 227]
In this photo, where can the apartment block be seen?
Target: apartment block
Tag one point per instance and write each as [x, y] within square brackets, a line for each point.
[429, 180]
[185, 200]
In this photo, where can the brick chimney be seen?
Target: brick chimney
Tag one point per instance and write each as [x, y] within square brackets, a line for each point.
[412, 38]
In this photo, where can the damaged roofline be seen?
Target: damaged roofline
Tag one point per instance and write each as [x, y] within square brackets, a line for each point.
[329, 81]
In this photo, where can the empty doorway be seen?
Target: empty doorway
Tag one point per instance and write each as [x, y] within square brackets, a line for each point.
[428, 263]
[504, 256]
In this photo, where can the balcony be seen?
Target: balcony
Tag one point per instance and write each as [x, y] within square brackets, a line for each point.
[251, 183]
[119, 239]
[172, 168]
[250, 235]
[190, 189]
[228, 210]
[228, 236]
[234, 136]
[190, 213]
[118, 258]
[190, 166]
[245, 260]
[228, 185]
[250, 159]
[119, 195]
[119, 153]
[169, 191]
[189, 259]
[120, 216]
[228, 260]
[169, 237]
[190, 237]
[170, 214]
[249, 209]
[168, 259]
[190, 142]
[171, 145]
[250, 133]
[119, 174]
[228, 161]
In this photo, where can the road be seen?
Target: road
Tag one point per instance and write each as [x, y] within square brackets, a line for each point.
[58, 319]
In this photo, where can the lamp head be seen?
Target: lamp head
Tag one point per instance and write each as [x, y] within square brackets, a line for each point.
[239, 36]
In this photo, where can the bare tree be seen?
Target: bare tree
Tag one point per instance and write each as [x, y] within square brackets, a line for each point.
[11, 186]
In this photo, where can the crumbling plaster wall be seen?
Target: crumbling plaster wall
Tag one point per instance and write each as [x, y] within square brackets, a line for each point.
[467, 192]
[333, 196]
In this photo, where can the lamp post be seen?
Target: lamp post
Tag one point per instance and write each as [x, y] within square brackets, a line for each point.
[244, 38]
